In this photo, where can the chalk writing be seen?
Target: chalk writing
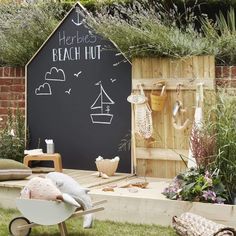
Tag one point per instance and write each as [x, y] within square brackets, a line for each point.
[93, 52]
[67, 40]
[66, 54]
[76, 53]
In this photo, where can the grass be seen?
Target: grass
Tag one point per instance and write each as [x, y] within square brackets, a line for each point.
[226, 136]
[100, 228]
[222, 34]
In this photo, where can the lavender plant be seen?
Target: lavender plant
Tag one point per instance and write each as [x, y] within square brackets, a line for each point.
[146, 30]
[24, 27]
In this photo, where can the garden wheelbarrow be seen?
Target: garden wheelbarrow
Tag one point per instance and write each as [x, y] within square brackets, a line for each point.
[43, 212]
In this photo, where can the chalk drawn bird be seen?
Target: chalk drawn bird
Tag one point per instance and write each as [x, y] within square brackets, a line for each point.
[113, 80]
[68, 91]
[98, 83]
[77, 74]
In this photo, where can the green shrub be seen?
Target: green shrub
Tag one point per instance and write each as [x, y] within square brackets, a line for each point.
[138, 27]
[23, 29]
[222, 35]
[140, 30]
[12, 137]
[197, 185]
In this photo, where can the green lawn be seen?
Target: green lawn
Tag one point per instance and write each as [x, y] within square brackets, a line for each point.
[100, 228]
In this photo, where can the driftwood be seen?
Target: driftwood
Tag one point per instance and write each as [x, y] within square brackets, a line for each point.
[189, 224]
[136, 184]
[108, 189]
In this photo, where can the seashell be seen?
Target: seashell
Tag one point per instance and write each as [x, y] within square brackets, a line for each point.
[104, 176]
[115, 159]
[99, 158]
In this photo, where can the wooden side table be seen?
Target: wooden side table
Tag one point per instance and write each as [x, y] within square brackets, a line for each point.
[55, 157]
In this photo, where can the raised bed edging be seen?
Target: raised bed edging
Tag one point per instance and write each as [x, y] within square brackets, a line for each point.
[142, 210]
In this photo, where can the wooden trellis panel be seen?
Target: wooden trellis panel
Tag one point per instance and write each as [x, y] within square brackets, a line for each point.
[160, 157]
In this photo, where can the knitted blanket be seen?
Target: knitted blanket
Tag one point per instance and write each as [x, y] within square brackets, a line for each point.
[188, 224]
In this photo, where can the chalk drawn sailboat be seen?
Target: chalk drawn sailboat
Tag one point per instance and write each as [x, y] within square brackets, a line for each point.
[102, 102]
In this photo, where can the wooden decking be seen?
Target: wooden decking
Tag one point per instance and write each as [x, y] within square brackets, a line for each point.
[88, 179]
[10, 190]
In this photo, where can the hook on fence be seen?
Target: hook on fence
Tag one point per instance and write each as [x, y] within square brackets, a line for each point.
[178, 88]
[160, 83]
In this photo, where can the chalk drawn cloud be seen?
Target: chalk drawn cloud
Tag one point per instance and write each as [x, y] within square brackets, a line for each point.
[44, 89]
[55, 74]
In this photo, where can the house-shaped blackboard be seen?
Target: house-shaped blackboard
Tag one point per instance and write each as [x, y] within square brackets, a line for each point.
[77, 95]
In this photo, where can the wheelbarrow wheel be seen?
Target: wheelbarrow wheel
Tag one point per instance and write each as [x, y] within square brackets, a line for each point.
[19, 221]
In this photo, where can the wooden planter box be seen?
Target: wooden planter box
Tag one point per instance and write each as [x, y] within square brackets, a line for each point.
[161, 158]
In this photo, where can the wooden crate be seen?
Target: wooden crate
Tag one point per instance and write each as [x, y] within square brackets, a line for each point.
[161, 158]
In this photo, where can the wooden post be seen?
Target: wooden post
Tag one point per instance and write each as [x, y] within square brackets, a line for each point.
[133, 144]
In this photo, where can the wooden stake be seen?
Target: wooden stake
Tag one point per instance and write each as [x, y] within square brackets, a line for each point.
[133, 142]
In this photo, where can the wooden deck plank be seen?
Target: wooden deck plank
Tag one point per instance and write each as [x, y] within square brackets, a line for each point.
[83, 177]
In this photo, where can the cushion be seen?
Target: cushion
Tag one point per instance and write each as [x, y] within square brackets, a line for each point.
[67, 184]
[10, 170]
[40, 188]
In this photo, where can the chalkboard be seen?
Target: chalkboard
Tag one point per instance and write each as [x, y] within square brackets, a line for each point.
[76, 95]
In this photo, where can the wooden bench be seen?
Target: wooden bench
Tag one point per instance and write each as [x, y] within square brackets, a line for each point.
[56, 158]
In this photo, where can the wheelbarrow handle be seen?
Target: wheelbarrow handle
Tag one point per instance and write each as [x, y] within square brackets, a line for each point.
[99, 202]
[89, 211]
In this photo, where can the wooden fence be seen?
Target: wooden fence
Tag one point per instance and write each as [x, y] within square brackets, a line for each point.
[160, 155]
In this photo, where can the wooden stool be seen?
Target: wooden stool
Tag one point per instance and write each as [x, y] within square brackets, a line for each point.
[56, 158]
